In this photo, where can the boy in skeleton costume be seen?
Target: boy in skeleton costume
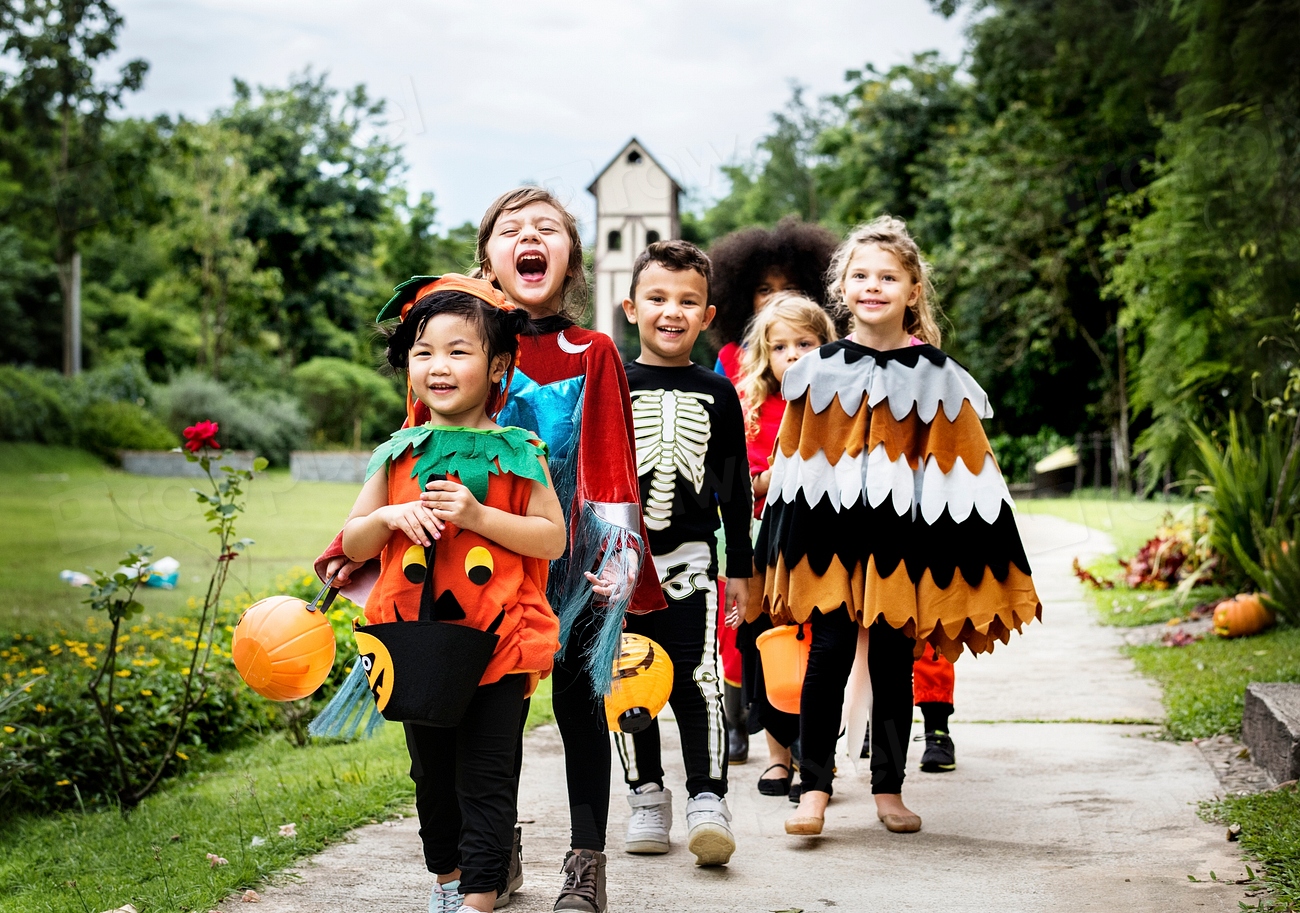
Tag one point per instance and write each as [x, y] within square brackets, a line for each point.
[692, 463]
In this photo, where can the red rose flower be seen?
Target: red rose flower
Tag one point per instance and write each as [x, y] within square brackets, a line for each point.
[203, 434]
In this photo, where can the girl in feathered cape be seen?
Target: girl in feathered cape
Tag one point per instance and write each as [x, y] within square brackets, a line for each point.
[886, 514]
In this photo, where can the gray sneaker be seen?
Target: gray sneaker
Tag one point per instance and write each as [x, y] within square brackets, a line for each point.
[584, 883]
[708, 823]
[652, 819]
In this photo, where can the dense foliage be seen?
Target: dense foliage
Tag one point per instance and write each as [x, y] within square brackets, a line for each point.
[1109, 192]
[239, 247]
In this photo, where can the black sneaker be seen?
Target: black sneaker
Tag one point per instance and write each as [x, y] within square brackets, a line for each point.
[939, 756]
[584, 883]
[515, 877]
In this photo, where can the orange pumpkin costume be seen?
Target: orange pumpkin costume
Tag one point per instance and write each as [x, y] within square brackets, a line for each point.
[475, 581]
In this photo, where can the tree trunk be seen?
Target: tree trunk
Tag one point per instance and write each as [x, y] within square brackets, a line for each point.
[70, 281]
[1122, 449]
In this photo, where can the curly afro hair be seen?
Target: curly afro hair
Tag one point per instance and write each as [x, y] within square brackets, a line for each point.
[801, 251]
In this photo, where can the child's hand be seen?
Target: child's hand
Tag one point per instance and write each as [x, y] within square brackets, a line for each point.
[452, 502]
[737, 601]
[341, 569]
[414, 519]
[617, 577]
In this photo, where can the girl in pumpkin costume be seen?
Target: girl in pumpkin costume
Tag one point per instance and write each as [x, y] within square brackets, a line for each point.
[568, 387]
[478, 499]
[886, 518]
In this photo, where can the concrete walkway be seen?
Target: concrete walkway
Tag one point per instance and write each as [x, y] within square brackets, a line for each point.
[1063, 800]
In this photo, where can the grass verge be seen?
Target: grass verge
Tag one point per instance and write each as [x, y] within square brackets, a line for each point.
[64, 509]
[1204, 683]
[157, 858]
[1270, 833]
[1129, 522]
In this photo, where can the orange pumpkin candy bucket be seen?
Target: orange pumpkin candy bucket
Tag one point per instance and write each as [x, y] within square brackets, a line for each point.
[784, 652]
[283, 647]
[643, 680]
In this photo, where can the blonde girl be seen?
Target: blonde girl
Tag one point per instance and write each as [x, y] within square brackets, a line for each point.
[886, 514]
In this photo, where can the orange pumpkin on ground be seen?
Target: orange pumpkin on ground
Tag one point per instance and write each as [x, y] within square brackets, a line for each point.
[784, 652]
[1242, 616]
[281, 650]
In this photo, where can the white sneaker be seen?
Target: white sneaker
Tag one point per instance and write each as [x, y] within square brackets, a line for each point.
[708, 823]
[652, 819]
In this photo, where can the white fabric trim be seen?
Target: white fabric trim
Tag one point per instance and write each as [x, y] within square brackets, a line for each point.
[925, 387]
[842, 483]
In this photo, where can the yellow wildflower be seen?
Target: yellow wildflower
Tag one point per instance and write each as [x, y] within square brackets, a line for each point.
[40, 670]
[146, 692]
[64, 783]
[41, 708]
[182, 755]
[123, 673]
[119, 708]
[11, 730]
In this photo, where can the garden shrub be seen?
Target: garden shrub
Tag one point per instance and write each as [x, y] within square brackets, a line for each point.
[36, 407]
[348, 403]
[268, 423]
[1017, 455]
[53, 745]
[105, 427]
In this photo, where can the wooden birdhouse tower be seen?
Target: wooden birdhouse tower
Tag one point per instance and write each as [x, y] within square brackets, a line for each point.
[636, 205]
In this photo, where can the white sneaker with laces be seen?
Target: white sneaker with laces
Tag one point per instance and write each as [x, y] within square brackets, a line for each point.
[708, 823]
[652, 819]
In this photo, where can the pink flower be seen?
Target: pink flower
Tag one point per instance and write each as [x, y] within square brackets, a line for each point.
[214, 860]
[200, 435]
[288, 830]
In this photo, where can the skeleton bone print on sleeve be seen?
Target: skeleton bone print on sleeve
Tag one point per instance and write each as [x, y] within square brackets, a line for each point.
[672, 435]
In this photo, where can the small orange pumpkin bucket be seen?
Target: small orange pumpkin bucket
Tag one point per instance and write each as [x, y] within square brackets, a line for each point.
[784, 651]
[283, 647]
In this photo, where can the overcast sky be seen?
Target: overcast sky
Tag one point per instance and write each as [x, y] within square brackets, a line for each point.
[487, 94]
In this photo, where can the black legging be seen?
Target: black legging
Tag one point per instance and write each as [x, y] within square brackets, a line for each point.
[580, 717]
[821, 705]
[761, 715]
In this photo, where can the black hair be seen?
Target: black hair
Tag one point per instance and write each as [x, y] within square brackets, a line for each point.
[675, 256]
[499, 329]
[800, 251]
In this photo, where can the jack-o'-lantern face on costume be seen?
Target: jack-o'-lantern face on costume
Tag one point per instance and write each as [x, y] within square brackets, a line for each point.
[377, 662]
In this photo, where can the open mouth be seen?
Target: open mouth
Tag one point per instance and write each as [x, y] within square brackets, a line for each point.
[671, 332]
[441, 388]
[531, 267]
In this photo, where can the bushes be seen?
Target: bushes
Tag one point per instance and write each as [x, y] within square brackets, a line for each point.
[101, 412]
[268, 423]
[1017, 455]
[52, 745]
[347, 402]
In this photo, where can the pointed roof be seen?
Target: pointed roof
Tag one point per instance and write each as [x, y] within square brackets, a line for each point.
[591, 188]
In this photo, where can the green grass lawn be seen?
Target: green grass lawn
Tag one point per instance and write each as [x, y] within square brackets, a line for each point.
[1270, 833]
[1129, 522]
[1204, 683]
[58, 514]
[156, 858]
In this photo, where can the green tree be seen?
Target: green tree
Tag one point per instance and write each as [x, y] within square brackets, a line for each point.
[1210, 271]
[212, 193]
[67, 180]
[331, 176]
[340, 397]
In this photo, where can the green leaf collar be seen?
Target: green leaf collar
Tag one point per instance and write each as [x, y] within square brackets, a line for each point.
[470, 454]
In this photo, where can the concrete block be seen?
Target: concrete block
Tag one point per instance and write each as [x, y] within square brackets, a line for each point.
[174, 465]
[329, 465]
[1270, 728]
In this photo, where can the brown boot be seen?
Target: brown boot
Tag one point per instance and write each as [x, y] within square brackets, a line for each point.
[584, 883]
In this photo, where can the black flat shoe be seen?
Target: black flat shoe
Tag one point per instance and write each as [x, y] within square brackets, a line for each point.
[775, 786]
